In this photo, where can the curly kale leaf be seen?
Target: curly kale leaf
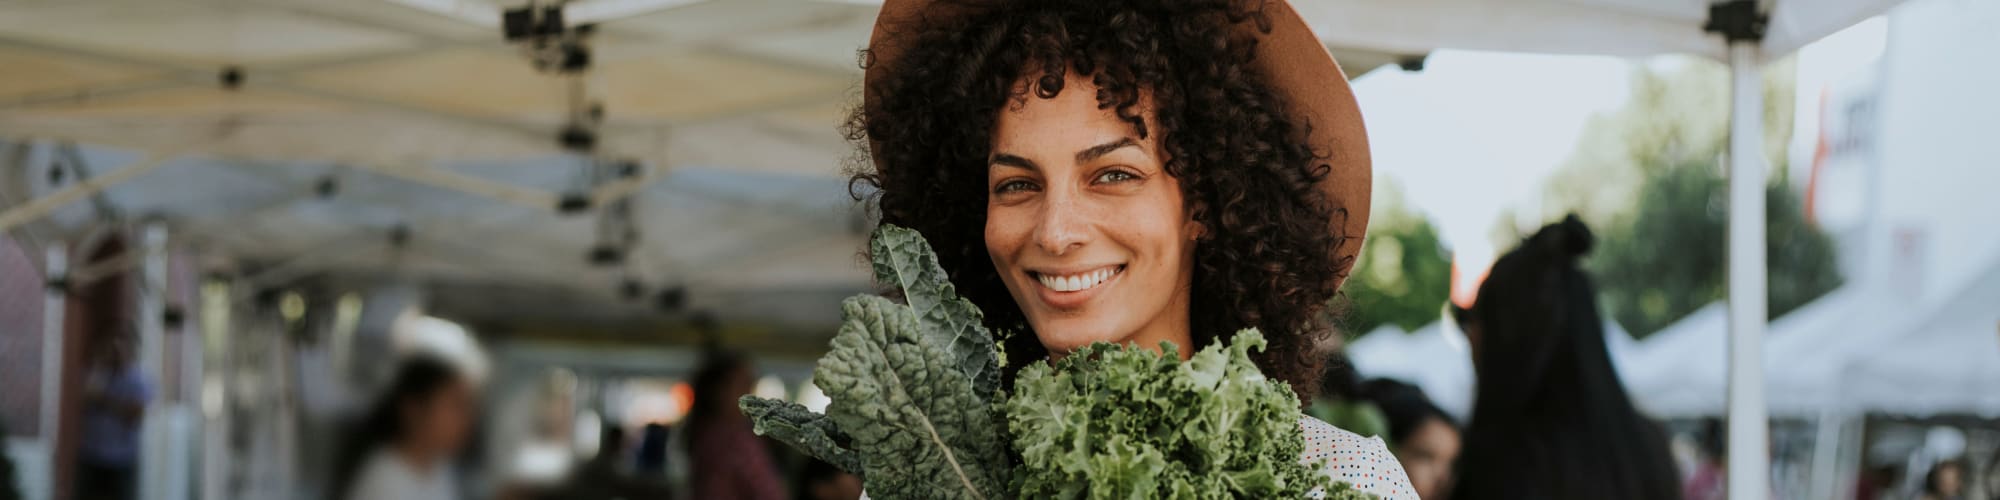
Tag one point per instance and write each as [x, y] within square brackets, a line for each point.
[903, 258]
[1125, 422]
[918, 426]
[812, 433]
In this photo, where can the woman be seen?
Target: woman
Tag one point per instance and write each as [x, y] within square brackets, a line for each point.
[1550, 419]
[409, 441]
[1422, 435]
[1130, 171]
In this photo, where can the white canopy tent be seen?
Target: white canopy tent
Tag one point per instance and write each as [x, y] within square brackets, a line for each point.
[1682, 370]
[1941, 364]
[1437, 359]
[1434, 358]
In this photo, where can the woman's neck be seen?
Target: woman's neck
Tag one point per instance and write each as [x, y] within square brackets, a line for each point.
[1150, 337]
[1169, 327]
[1172, 325]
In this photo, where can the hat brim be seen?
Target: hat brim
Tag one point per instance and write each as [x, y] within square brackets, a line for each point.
[1289, 56]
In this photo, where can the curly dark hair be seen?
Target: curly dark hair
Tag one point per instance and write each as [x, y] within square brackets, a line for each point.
[1245, 172]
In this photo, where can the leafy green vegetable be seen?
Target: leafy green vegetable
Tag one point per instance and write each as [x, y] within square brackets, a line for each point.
[1114, 421]
[813, 433]
[917, 412]
[915, 421]
[904, 259]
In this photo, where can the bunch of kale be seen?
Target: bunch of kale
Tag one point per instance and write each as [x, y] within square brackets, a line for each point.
[917, 411]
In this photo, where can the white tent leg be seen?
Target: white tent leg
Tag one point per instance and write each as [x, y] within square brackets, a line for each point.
[1825, 479]
[1749, 459]
[152, 357]
[55, 263]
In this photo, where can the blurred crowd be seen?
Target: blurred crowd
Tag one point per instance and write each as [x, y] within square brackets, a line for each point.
[1550, 420]
[413, 444]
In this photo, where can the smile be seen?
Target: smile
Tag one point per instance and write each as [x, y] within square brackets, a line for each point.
[1077, 282]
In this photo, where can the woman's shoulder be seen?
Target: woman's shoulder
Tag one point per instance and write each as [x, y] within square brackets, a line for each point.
[1364, 462]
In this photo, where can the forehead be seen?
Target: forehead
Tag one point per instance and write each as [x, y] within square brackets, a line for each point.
[1070, 121]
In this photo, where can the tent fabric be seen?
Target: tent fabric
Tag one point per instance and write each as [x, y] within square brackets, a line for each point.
[1437, 359]
[752, 88]
[1600, 27]
[1852, 350]
[1434, 358]
[1947, 364]
[1683, 369]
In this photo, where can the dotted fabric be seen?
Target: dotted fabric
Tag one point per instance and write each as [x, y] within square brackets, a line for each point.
[1362, 461]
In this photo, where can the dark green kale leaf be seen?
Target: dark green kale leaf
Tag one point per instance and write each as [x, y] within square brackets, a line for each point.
[904, 259]
[812, 433]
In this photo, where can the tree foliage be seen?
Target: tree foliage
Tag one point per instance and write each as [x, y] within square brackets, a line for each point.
[1404, 274]
[1651, 179]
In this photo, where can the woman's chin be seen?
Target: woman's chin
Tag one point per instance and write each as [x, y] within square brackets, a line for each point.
[1069, 337]
[1070, 334]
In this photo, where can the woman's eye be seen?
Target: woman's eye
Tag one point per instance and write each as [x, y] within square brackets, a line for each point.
[1115, 176]
[1013, 186]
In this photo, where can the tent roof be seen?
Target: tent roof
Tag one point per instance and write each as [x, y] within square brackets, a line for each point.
[413, 104]
[1947, 362]
[1603, 27]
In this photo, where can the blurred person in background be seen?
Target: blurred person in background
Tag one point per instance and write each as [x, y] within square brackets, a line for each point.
[727, 460]
[1706, 480]
[652, 459]
[823, 481]
[1421, 435]
[1550, 419]
[607, 477]
[1946, 481]
[407, 444]
[1875, 483]
[114, 404]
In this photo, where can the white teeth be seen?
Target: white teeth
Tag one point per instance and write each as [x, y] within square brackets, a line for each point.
[1077, 282]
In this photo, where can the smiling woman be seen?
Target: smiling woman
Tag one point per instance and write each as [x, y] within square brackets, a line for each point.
[1121, 171]
[1128, 171]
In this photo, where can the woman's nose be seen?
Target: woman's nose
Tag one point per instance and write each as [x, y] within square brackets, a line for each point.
[1063, 226]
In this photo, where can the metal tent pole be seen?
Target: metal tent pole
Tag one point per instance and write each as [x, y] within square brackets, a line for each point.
[55, 266]
[1742, 23]
[1749, 458]
[152, 349]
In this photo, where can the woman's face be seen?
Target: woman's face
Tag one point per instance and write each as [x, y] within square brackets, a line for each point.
[1427, 454]
[1085, 227]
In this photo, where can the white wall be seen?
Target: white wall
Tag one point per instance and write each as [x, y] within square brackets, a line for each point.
[1939, 222]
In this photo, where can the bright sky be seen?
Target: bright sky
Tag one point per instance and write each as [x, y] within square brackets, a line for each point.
[1477, 132]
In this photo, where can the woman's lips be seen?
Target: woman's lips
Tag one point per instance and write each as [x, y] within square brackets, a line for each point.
[1074, 289]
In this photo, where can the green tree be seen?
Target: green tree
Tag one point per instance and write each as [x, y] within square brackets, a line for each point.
[1404, 274]
[1650, 179]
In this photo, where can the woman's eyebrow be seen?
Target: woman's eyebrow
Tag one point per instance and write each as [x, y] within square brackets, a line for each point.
[1095, 152]
[1013, 161]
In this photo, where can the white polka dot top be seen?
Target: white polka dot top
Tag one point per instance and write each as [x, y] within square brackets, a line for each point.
[1363, 462]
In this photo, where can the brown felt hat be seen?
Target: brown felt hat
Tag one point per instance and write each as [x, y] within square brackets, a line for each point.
[1290, 57]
